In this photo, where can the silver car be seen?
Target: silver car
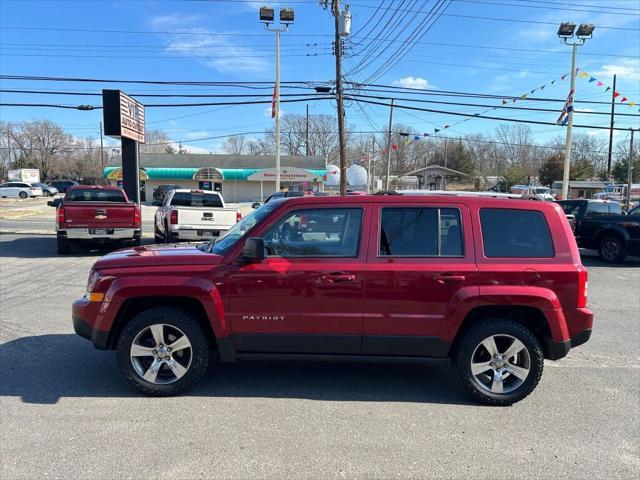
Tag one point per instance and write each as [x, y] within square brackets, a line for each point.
[19, 190]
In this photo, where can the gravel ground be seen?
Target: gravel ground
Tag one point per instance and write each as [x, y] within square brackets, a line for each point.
[67, 413]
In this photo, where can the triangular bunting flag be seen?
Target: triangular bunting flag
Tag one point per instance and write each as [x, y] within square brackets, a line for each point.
[504, 102]
[592, 79]
[616, 94]
[577, 69]
[394, 146]
[514, 100]
[425, 134]
[436, 130]
[532, 91]
[607, 89]
[599, 84]
[624, 99]
[447, 126]
[542, 87]
[552, 82]
[417, 137]
[631, 104]
[583, 75]
[523, 96]
[563, 77]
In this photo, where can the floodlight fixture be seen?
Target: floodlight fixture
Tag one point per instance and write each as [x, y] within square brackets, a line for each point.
[566, 30]
[267, 14]
[585, 30]
[286, 15]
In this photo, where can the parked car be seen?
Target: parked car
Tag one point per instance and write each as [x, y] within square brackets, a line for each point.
[602, 225]
[63, 185]
[160, 192]
[492, 286]
[19, 190]
[96, 215]
[47, 190]
[193, 215]
[291, 194]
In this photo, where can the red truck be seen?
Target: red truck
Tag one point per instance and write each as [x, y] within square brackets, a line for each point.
[491, 286]
[91, 214]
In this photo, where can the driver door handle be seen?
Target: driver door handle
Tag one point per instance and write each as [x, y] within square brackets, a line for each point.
[338, 277]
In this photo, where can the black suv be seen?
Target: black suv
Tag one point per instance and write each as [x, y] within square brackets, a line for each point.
[63, 185]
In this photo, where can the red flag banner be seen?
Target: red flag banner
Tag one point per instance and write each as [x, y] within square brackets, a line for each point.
[274, 102]
[616, 94]
[624, 99]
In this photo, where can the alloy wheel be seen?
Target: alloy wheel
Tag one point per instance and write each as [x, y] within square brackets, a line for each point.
[161, 354]
[500, 364]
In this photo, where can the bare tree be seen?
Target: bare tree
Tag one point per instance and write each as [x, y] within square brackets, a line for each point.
[157, 141]
[39, 144]
[235, 145]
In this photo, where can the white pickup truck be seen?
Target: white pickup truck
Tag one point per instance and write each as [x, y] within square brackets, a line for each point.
[193, 215]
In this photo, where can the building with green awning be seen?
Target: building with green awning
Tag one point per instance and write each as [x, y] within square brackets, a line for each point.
[229, 173]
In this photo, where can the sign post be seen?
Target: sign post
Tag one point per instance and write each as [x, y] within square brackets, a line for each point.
[124, 118]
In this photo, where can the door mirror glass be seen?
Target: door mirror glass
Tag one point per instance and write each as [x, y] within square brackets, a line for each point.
[253, 250]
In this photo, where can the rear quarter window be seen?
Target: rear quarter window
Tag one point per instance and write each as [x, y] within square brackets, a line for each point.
[510, 233]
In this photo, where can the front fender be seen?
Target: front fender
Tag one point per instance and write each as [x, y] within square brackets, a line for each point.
[134, 286]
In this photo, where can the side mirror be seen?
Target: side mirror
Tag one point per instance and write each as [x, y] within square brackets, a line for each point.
[255, 205]
[253, 250]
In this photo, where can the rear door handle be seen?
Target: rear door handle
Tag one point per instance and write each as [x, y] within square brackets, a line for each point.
[444, 278]
[338, 277]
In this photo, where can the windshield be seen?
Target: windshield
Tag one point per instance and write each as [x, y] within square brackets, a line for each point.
[224, 243]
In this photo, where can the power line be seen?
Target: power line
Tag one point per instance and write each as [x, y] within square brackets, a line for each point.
[545, 7]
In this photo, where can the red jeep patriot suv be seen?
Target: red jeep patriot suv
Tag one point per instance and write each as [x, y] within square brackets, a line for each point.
[492, 286]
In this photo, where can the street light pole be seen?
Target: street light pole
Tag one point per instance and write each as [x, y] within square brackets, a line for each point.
[286, 18]
[277, 95]
[565, 32]
[569, 141]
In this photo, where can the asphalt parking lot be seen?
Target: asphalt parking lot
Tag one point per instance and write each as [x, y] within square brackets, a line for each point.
[67, 413]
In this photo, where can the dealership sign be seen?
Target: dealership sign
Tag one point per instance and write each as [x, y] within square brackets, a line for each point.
[287, 174]
[123, 116]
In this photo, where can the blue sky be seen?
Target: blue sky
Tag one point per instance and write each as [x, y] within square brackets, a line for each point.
[223, 41]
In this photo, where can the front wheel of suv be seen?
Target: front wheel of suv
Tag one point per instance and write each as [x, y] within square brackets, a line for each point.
[612, 250]
[163, 351]
[499, 362]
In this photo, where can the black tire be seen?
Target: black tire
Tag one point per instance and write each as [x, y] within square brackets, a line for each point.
[136, 242]
[45, 193]
[174, 318]
[64, 246]
[471, 340]
[157, 236]
[612, 250]
[167, 234]
[23, 195]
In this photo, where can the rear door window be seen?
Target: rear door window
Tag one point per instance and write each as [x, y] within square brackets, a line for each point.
[515, 233]
[420, 232]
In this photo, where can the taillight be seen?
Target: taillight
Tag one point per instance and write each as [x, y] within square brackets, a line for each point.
[32, 188]
[173, 217]
[60, 216]
[583, 287]
[136, 216]
[238, 216]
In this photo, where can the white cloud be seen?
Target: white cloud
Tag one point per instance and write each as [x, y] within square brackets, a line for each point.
[625, 69]
[412, 82]
[599, 133]
[197, 134]
[204, 46]
[191, 148]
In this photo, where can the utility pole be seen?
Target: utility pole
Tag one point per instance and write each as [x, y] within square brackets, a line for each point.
[371, 157]
[613, 108]
[339, 98]
[386, 186]
[306, 140]
[101, 150]
[630, 172]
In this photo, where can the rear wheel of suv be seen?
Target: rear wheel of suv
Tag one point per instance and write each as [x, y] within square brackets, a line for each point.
[163, 351]
[499, 362]
[612, 250]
